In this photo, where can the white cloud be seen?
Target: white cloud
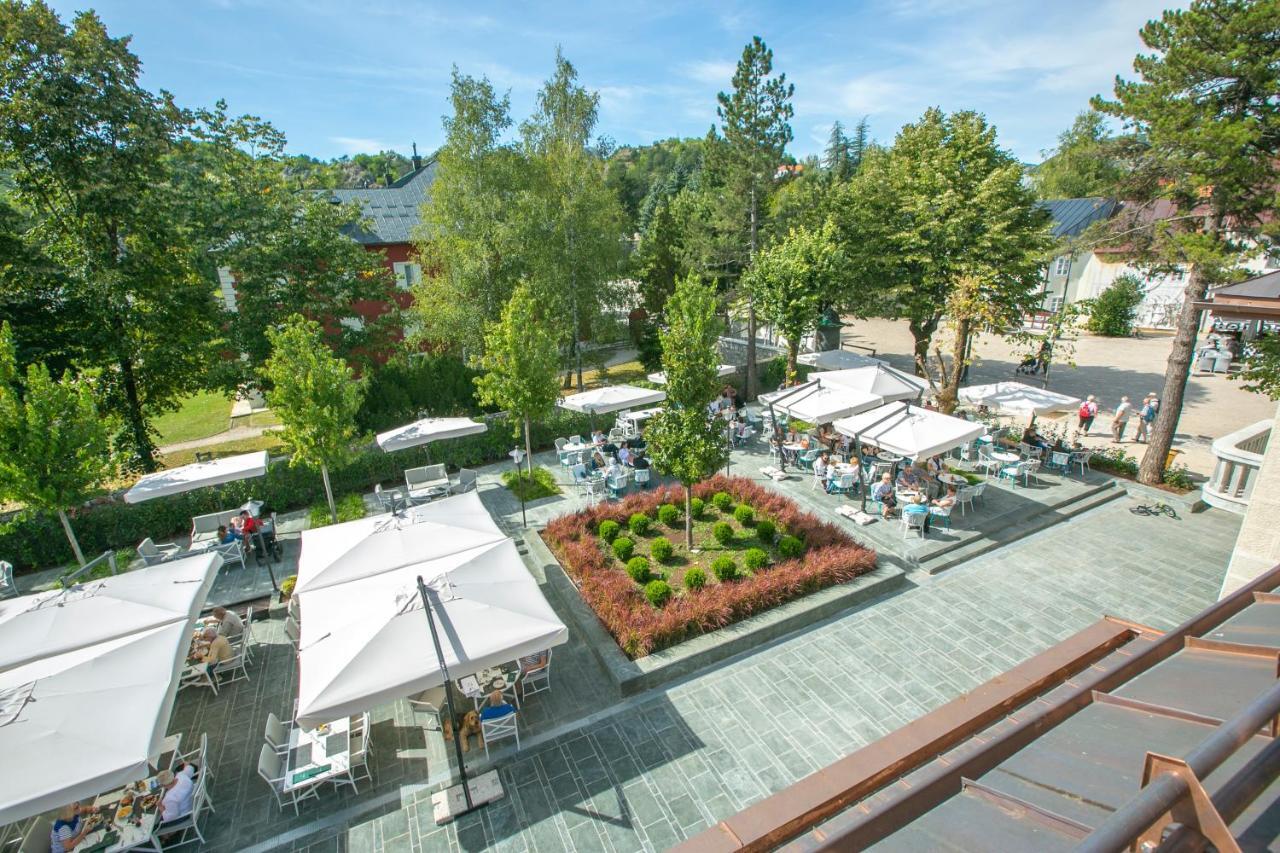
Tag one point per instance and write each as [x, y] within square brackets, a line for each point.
[359, 145]
[713, 72]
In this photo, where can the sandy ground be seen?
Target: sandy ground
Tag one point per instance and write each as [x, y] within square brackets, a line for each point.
[1107, 368]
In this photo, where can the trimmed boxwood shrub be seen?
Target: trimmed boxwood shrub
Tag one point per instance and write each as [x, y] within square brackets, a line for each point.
[755, 558]
[722, 501]
[657, 592]
[723, 532]
[790, 546]
[669, 515]
[696, 505]
[725, 568]
[609, 530]
[638, 569]
[695, 578]
[661, 548]
[765, 530]
[639, 523]
[623, 547]
[744, 514]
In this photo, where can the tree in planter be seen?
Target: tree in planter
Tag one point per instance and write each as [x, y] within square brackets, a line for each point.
[1206, 107]
[1114, 309]
[54, 447]
[683, 440]
[793, 281]
[521, 360]
[315, 396]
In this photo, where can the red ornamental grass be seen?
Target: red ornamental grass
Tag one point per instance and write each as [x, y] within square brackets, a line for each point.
[830, 558]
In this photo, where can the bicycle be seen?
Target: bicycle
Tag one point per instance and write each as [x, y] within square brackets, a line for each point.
[1156, 508]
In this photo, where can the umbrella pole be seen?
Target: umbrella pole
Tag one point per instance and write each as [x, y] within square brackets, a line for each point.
[448, 702]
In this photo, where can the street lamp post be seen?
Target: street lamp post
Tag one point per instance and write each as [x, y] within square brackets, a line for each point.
[518, 455]
[728, 414]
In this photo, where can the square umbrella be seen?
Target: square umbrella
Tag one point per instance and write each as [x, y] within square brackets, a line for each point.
[910, 431]
[611, 398]
[428, 430]
[819, 402]
[1016, 398]
[197, 475]
[837, 359]
[881, 379]
[660, 378]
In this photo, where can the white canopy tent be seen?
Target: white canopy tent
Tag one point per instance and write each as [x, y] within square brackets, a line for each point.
[60, 621]
[879, 379]
[197, 475]
[1016, 398]
[365, 639]
[88, 677]
[910, 431]
[837, 359]
[820, 403]
[722, 370]
[77, 724]
[611, 398]
[426, 431]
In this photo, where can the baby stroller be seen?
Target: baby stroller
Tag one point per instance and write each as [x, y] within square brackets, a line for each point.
[1029, 366]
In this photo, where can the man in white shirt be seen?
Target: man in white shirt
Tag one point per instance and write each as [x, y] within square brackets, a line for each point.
[178, 794]
[228, 623]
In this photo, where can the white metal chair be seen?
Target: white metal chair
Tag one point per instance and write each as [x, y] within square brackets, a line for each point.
[233, 666]
[819, 480]
[248, 641]
[497, 728]
[560, 443]
[641, 477]
[986, 462]
[360, 741]
[292, 631]
[964, 497]
[595, 488]
[1080, 459]
[617, 485]
[1033, 470]
[427, 704]
[466, 481]
[941, 513]
[153, 553]
[189, 824]
[979, 491]
[276, 734]
[1058, 460]
[913, 521]
[198, 756]
[576, 439]
[271, 767]
[535, 674]
[8, 588]
[231, 552]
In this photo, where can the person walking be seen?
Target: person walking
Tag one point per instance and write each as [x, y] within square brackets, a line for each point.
[1120, 420]
[1146, 415]
[1088, 411]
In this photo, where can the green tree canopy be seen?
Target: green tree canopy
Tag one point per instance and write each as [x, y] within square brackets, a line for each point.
[54, 444]
[315, 395]
[1086, 162]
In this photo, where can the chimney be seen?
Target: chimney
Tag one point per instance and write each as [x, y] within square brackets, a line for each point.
[417, 161]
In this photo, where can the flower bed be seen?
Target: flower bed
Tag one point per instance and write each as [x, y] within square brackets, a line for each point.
[644, 618]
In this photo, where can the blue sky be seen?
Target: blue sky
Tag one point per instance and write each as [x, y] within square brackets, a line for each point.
[345, 76]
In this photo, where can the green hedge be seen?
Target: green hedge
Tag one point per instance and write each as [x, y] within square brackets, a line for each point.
[34, 540]
[434, 385]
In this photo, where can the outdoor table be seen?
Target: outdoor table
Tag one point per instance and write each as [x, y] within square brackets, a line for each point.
[577, 448]
[319, 754]
[886, 456]
[952, 479]
[639, 416]
[132, 829]
[484, 682]
[429, 492]
[1005, 456]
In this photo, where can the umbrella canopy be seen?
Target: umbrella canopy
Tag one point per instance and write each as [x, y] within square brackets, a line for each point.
[1015, 398]
[879, 379]
[54, 623]
[611, 398]
[197, 475]
[342, 553]
[366, 643]
[837, 359]
[85, 721]
[426, 431]
[820, 403]
[910, 430]
[660, 378]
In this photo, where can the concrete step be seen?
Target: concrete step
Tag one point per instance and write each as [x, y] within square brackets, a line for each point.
[943, 559]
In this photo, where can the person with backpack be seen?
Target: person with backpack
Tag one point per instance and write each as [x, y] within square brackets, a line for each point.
[1088, 411]
[1146, 416]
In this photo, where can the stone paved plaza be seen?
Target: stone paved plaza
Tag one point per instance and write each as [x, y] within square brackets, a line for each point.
[601, 773]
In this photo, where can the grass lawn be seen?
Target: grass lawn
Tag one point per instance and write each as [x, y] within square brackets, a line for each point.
[198, 416]
[618, 374]
[267, 441]
[541, 485]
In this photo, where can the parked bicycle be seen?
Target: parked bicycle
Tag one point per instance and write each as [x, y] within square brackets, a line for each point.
[1156, 508]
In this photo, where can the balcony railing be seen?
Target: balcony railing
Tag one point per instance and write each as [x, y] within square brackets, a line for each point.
[1238, 457]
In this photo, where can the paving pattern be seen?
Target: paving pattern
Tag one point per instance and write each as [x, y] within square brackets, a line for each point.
[644, 773]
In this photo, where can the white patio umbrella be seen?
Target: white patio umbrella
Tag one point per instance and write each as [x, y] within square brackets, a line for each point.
[197, 475]
[611, 398]
[837, 359]
[342, 553]
[879, 379]
[367, 642]
[79, 723]
[97, 611]
[428, 430]
[820, 403]
[660, 378]
[909, 431]
[1015, 398]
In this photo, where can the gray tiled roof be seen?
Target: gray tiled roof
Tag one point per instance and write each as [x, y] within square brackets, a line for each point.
[392, 212]
[1265, 286]
[1071, 216]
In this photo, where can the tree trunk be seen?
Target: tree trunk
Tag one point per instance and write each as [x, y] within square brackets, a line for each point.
[71, 536]
[137, 421]
[749, 391]
[1160, 437]
[688, 519]
[922, 333]
[577, 348]
[528, 449]
[949, 393]
[793, 354]
[328, 493]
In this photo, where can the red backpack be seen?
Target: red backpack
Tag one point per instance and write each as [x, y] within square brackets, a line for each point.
[1085, 410]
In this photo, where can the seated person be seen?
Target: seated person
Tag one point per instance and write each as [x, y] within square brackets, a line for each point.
[637, 443]
[909, 479]
[610, 450]
[624, 454]
[597, 461]
[917, 506]
[227, 622]
[578, 472]
[933, 466]
[639, 461]
[614, 470]
[883, 492]
[495, 706]
[247, 525]
[216, 650]
[68, 830]
[820, 465]
[597, 437]
[1033, 438]
[226, 536]
[948, 500]
[178, 798]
